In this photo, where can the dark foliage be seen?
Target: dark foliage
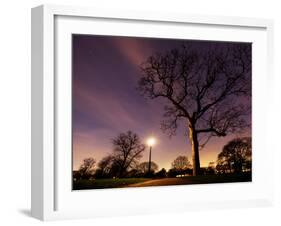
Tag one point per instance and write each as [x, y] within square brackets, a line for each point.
[86, 170]
[161, 174]
[181, 163]
[236, 156]
[127, 150]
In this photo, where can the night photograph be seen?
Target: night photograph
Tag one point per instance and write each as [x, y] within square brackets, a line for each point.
[158, 112]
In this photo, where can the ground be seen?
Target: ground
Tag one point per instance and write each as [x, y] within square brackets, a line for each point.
[145, 182]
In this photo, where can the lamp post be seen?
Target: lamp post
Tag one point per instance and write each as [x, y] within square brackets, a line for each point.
[149, 162]
[150, 142]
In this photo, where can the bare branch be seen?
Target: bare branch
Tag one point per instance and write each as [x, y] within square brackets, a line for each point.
[207, 88]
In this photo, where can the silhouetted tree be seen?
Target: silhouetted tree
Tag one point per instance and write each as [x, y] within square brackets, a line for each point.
[115, 169]
[134, 173]
[211, 169]
[127, 150]
[143, 167]
[181, 163]
[172, 172]
[212, 165]
[86, 169]
[222, 167]
[236, 156]
[76, 175]
[104, 167]
[207, 89]
[162, 173]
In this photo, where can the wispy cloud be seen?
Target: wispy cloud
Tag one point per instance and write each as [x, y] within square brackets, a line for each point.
[104, 106]
[131, 48]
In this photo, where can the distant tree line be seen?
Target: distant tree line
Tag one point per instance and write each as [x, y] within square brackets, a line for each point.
[235, 157]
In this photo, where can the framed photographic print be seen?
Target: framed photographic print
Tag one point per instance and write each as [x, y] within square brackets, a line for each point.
[142, 113]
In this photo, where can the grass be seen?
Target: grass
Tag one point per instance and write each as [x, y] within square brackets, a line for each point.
[106, 183]
[125, 182]
[202, 179]
[223, 178]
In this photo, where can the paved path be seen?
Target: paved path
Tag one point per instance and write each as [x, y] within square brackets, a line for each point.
[165, 181]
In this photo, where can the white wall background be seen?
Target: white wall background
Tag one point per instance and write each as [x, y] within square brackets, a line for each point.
[15, 112]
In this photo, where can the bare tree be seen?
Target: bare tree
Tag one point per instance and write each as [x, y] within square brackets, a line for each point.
[87, 168]
[143, 167]
[105, 165]
[127, 151]
[208, 90]
[236, 156]
[181, 163]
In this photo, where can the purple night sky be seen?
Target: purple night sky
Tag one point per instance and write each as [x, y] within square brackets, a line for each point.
[106, 101]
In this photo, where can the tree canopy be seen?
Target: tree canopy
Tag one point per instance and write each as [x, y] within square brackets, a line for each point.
[181, 163]
[127, 150]
[87, 168]
[143, 167]
[236, 156]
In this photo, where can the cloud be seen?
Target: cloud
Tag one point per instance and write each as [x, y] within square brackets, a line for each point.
[135, 50]
[104, 106]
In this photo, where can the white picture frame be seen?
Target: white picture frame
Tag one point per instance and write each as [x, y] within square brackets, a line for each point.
[52, 197]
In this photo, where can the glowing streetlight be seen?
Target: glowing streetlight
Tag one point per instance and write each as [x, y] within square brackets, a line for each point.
[151, 141]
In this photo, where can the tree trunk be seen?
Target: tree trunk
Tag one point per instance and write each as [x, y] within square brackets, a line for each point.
[195, 149]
